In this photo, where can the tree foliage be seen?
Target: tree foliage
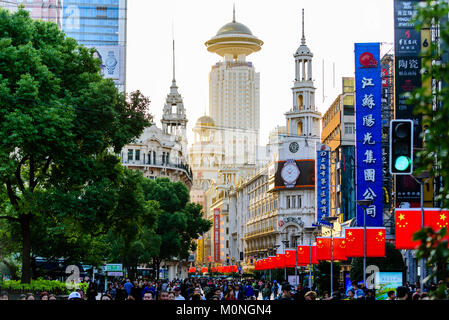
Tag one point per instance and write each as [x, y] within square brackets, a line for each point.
[434, 107]
[58, 119]
[391, 262]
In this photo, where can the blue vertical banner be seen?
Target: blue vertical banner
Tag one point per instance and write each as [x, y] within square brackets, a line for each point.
[368, 132]
[322, 180]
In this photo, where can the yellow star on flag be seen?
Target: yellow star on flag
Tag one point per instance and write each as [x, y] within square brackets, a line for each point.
[401, 217]
[443, 217]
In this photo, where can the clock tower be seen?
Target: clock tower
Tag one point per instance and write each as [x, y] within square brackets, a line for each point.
[294, 177]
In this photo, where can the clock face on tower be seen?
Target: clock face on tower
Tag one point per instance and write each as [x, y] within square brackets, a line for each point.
[294, 146]
[290, 173]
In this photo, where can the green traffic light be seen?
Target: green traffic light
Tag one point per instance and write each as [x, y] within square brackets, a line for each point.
[402, 163]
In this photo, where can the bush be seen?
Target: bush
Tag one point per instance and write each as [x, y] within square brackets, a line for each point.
[37, 286]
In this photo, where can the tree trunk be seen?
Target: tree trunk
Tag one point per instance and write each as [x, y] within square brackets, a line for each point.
[26, 250]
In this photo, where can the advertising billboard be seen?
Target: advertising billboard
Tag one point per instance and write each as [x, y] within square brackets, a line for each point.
[295, 174]
[322, 180]
[217, 235]
[368, 132]
[386, 281]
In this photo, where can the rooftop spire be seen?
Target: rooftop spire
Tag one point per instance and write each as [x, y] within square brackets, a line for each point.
[233, 13]
[303, 39]
[174, 60]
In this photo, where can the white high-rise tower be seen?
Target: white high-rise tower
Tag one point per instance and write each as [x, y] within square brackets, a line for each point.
[234, 92]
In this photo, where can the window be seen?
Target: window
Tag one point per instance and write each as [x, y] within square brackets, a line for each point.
[293, 201]
[138, 155]
[130, 154]
[349, 128]
[299, 202]
[288, 202]
[348, 110]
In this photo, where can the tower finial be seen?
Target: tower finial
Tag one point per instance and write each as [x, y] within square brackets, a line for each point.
[303, 39]
[173, 36]
[233, 13]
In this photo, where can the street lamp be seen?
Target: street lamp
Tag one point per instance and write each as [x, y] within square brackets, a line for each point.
[364, 204]
[296, 236]
[285, 243]
[422, 178]
[275, 250]
[310, 231]
[331, 220]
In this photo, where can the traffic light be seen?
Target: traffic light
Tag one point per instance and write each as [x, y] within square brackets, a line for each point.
[401, 147]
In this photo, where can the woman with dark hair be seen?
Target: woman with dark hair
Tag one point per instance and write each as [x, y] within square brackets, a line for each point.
[230, 295]
[43, 295]
[91, 292]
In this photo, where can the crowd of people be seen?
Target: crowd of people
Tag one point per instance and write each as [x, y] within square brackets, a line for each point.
[224, 289]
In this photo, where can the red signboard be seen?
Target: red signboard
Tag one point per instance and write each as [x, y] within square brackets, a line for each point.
[217, 235]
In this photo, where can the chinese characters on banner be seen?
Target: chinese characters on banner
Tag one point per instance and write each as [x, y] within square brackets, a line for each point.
[368, 132]
[407, 78]
[322, 180]
[217, 235]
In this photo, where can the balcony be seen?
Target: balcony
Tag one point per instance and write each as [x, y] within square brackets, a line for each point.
[159, 164]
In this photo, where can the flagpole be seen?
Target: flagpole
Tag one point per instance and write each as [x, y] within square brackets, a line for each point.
[331, 220]
[420, 179]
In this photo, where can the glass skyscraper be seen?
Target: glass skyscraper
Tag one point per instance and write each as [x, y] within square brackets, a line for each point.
[100, 24]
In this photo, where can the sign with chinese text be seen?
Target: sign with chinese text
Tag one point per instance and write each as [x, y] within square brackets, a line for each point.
[217, 235]
[368, 132]
[407, 78]
[322, 180]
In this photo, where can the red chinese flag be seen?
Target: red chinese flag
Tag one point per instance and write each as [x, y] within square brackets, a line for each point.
[407, 222]
[290, 258]
[280, 261]
[437, 219]
[234, 268]
[265, 264]
[323, 248]
[304, 255]
[375, 242]
[354, 242]
[314, 259]
[271, 263]
[204, 269]
[339, 246]
[192, 270]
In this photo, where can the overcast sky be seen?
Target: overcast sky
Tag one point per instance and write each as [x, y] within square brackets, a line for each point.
[331, 28]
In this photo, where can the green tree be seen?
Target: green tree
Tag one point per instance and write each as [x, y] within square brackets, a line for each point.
[58, 119]
[322, 275]
[434, 158]
[179, 223]
[391, 262]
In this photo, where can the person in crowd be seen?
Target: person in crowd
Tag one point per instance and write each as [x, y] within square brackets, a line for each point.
[121, 293]
[286, 294]
[128, 285]
[326, 295]
[163, 295]
[177, 292]
[351, 295]
[43, 295]
[91, 292]
[391, 295]
[239, 295]
[171, 295]
[230, 295]
[311, 295]
[266, 292]
[336, 295]
[402, 293]
[52, 297]
[370, 295]
[136, 291]
[74, 296]
[148, 296]
[4, 296]
[106, 296]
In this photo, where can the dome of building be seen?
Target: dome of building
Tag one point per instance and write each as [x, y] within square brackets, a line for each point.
[234, 28]
[205, 121]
